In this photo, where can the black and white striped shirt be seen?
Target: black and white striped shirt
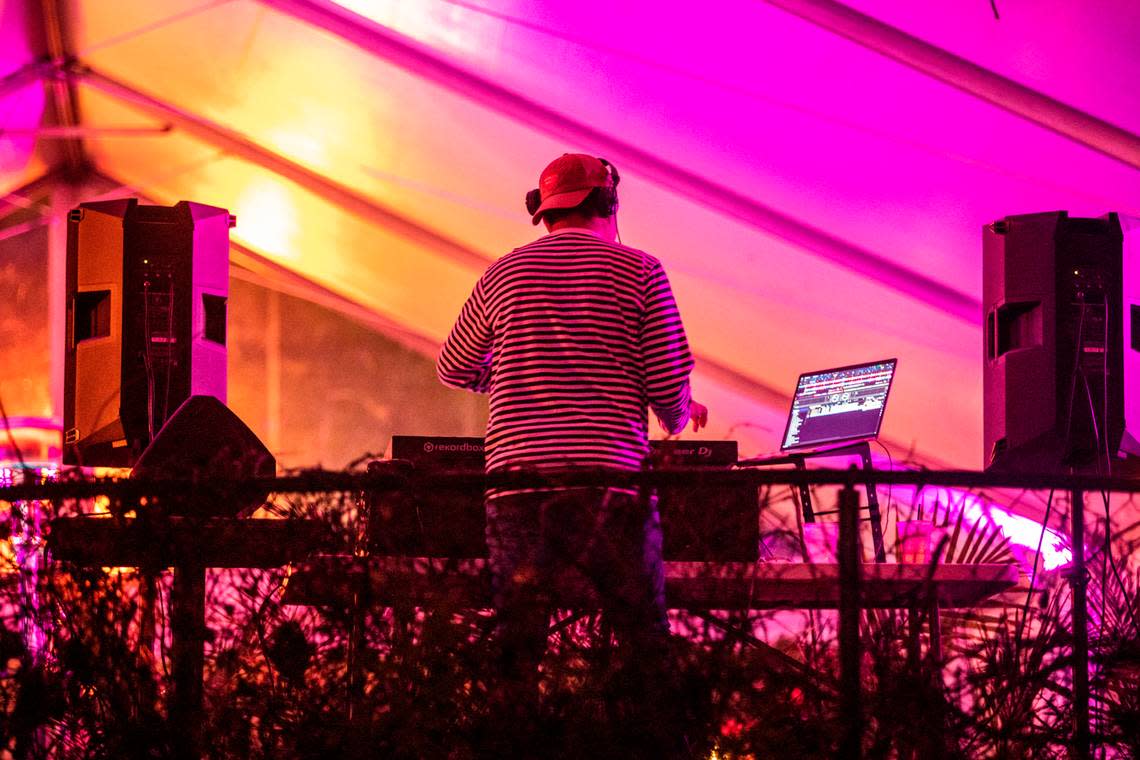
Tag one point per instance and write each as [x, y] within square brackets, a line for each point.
[574, 338]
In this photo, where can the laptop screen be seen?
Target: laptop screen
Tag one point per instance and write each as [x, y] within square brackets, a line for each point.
[839, 405]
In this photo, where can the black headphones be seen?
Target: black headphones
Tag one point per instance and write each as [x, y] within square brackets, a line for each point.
[607, 200]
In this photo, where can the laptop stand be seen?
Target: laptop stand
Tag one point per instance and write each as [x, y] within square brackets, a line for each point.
[799, 459]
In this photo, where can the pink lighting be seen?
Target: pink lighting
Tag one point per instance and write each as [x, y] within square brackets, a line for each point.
[1021, 531]
[20, 112]
[267, 219]
[36, 438]
[814, 175]
[29, 453]
[25, 548]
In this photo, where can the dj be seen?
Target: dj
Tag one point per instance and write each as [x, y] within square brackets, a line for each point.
[574, 336]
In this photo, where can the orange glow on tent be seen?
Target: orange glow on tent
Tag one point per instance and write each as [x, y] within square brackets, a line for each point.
[267, 218]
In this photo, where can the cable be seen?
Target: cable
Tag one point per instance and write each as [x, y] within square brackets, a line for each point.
[1104, 391]
[1107, 560]
[1092, 417]
[1104, 447]
[1107, 525]
[746, 425]
[170, 348]
[1112, 561]
[617, 232]
[131, 34]
[1073, 376]
[365, 457]
[148, 365]
[890, 486]
[1033, 574]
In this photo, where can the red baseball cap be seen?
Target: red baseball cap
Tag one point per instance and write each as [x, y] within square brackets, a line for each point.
[567, 180]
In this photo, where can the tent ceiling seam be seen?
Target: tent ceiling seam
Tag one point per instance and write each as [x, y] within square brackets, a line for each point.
[263, 271]
[243, 147]
[822, 117]
[150, 27]
[424, 62]
[268, 273]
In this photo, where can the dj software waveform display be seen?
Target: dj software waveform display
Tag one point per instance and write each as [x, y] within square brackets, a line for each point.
[839, 405]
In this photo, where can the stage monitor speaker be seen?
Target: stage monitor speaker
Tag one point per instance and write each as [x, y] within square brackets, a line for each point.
[146, 322]
[205, 442]
[1054, 383]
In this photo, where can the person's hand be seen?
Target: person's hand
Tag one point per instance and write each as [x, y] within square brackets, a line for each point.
[698, 415]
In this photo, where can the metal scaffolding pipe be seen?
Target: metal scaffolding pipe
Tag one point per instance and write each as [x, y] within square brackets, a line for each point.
[850, 610]
[65, 105]
[22, 77]
[1079, 614]
[72, 131]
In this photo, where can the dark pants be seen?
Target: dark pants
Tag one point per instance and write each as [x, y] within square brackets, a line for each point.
[535, 540]
[612, 539]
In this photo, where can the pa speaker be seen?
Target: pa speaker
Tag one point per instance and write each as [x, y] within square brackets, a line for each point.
[1053, 374]
[146, 322]
[202, 442]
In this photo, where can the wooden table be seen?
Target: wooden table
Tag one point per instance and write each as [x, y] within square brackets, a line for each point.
[703, 588]
[418, 581]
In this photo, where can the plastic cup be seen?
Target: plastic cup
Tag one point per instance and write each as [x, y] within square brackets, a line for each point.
[912, 546]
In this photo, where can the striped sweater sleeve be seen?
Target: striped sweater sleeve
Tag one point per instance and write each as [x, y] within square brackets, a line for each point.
[465, 359]
[666, 353]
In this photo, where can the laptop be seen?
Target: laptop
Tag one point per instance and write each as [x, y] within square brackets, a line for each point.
[834, 409]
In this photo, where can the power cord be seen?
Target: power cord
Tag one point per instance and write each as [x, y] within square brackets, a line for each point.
[1104, 447]
[1104, 392]
[1112, 562]
[148, 363]
[890, 486]
[1033, 574]
[170, 344]
[1107, 524]
[1077, 345]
